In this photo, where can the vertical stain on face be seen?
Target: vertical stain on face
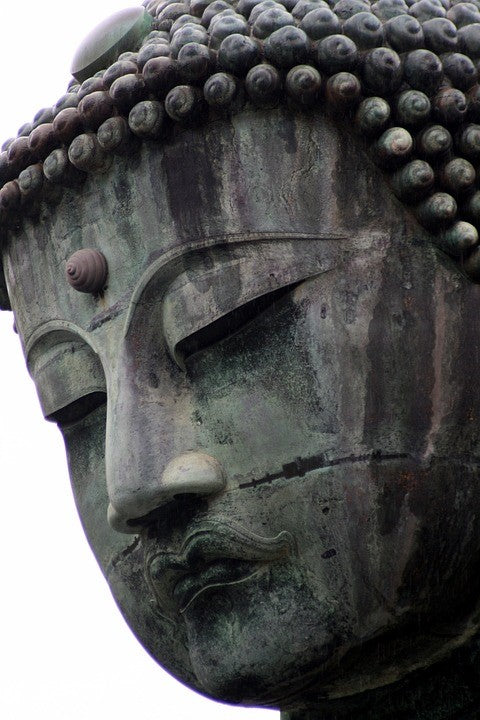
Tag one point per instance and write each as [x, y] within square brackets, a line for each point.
[400, 351]
[461, 363]
[191, 183]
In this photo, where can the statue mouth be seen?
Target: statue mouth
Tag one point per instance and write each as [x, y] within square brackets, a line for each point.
[218, 574]
[213, 554]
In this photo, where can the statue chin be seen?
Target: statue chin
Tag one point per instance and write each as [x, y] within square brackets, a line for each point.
[245, 642]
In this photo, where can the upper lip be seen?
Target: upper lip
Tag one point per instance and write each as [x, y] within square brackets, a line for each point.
[213, 553]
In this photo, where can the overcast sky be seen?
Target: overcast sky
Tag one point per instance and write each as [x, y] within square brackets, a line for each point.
[65, 651]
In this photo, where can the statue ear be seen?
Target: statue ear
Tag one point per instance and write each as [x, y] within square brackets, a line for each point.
[4, 300]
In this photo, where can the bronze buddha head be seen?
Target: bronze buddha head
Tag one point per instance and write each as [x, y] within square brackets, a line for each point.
[268, 378]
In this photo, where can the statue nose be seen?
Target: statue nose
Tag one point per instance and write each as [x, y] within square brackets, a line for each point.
[192, 473]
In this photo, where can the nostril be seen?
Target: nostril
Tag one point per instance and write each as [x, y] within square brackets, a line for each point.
[119, 523]
[187, 475]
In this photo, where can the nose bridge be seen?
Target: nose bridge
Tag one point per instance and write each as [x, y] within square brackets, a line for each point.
[151, 450]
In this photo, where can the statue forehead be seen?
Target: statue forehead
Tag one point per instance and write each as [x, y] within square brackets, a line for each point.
[257, 165]
[220, 193]
[387, 70]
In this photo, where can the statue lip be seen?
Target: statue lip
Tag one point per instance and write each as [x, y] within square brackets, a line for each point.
[213, 554]
[217, 574]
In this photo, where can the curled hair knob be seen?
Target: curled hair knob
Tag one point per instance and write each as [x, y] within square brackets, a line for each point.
[86, 270]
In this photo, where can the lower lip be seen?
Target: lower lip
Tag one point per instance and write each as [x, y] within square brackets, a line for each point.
[216, 574]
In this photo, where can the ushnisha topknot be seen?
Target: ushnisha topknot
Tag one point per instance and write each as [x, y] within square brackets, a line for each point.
[403, 75]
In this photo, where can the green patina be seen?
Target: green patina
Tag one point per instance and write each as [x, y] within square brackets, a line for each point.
[273, 391]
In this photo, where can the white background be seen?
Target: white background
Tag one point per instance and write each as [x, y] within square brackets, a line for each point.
[65, 652]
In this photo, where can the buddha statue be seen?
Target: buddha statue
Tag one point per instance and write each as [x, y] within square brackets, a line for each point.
[242, 253]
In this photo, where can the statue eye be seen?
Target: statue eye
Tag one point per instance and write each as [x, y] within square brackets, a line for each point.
[230, 323]
[78, 409]
[68, 376]
[223, 289]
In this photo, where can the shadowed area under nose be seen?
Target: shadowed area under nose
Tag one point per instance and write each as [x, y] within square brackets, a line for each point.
[191, 473]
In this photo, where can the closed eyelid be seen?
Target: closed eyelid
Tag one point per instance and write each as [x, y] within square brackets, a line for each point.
[268, 252]
[229, 324]
[68, 375]
[199, 307]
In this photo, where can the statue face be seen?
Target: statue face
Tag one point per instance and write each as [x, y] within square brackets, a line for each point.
[275, 399]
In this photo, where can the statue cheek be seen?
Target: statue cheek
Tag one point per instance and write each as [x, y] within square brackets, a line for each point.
[85, 445]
